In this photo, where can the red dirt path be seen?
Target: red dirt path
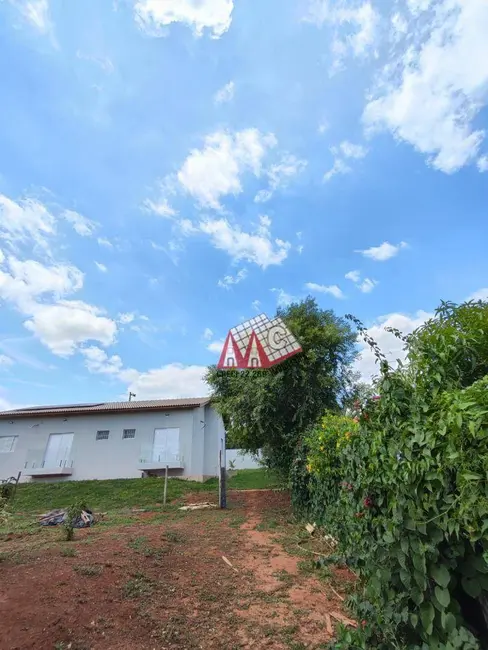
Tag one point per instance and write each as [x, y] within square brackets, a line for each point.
[159, 582]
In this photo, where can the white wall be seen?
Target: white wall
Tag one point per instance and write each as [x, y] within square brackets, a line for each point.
[214, 434]
[115, 457]
[241, 460]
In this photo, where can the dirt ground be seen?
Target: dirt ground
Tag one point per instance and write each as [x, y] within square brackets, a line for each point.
[157, 580]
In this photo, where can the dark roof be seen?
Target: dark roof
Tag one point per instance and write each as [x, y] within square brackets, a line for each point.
[107, 407]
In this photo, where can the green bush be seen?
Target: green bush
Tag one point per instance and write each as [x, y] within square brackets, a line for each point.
[407, 495]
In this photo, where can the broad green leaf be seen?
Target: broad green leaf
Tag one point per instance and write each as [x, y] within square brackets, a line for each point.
[405, 578]
[442, 596]
[441, 575]
[419, 562]
[470, 476]
[471, 586]
[427, 614]
[417, 596]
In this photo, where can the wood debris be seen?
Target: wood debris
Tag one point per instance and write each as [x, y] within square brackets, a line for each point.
[343, 619]
[198, 506]
[328, 624]
[229, 563]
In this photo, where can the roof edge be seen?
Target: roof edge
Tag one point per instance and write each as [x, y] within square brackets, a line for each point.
[19, 413]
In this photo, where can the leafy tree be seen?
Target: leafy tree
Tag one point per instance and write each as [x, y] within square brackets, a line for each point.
[271, 409]
[403, 488]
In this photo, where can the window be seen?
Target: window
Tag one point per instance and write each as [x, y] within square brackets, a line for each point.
[102, 435]
[166, 445]
[128, 433]
[7, 444]
[58, 450]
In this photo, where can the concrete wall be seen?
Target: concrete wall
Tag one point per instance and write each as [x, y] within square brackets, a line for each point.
[241, 460]
[214, 441]
[115, 457]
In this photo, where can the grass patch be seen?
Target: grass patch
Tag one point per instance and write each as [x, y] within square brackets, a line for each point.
[137, 543]
[89, 570]
[254, 479]
[267, 524]
[69, 551]
[284, 576]
[311, 567]
[121, 494]
[237, 521]
[138, 586]
[173, 536]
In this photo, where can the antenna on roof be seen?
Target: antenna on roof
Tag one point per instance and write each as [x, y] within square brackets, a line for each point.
[131, 395]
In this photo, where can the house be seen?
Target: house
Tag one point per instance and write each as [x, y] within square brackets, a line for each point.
[112, 440]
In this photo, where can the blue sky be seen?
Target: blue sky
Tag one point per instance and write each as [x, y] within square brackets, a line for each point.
[169, 168]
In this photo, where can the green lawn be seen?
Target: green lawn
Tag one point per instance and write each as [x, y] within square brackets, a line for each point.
[117, 494]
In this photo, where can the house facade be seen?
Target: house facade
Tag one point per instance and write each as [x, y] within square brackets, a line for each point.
[112, 440]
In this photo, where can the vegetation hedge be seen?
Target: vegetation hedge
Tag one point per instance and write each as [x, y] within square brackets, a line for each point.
[403, 487]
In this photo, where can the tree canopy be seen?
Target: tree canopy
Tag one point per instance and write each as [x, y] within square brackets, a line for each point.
[271, 409]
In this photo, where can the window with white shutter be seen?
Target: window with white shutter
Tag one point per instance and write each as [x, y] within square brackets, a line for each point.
[7, 444]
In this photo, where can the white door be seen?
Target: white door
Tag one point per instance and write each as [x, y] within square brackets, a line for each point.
[58, 450]
[166, 446]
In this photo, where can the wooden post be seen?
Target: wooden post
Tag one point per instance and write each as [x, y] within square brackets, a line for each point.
[222, 487]
[165, 484]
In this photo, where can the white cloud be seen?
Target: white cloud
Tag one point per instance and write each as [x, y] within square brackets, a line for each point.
[367, 285]
[349, 150]
[356, 27]
[256, 305]
[36, 12]
[254, 247]
[483, 163]
[161, 208]
[481, 294]
[98, 361]
[207, 334]
[365, 20]
[431, 95]
[383, 252]
[418, 6]
[399, 26]
[346, 150]
[215, 171]
[283, 298]
[5, 361]
[332, 289]
[102, 62]
[354, 276]
[155, 15]
[225, 94]
[389, 344]
[172, 380]
[323, 127]
[21, 282]
[216, 346]
[81, 224]
[228, 280]
[103, 241]
[339, 167]
[128, 317]
[279, 174]
[101, 267]
[63, 326]
[27, 221]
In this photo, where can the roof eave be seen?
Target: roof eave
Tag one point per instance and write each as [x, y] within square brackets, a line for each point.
[10, 415]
